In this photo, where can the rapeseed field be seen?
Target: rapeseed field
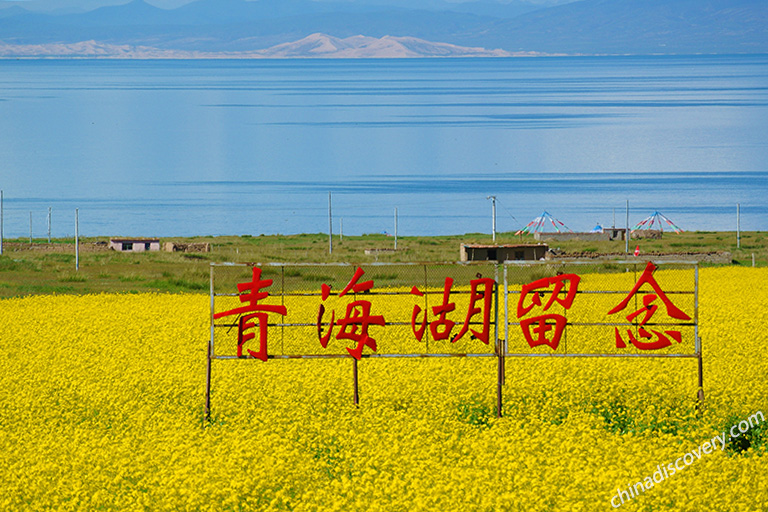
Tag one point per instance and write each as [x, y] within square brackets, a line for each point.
[101, 408]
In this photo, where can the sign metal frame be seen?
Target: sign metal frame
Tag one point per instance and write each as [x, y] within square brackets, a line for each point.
[501, 346]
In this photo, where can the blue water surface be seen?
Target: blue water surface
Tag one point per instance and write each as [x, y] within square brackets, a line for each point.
[177, 148]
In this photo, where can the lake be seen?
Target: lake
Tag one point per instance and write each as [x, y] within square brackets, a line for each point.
[178, 148]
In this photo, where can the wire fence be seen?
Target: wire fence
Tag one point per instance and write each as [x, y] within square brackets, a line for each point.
[601, 309]
[510, 309]
[324, 310]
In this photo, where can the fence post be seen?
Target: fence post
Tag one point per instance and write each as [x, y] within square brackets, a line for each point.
[355, 382]
[697, 339]
[505, 340]
[700, 392]
[499, 351]
[207, 411]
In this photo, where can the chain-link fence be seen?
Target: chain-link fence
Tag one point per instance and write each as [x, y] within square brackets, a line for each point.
[588, 308]
[600, 308]
[327, 310]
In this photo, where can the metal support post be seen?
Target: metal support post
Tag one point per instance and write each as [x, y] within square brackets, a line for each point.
[356, 389]
[700, 392]
[497, 345]
[207, 409]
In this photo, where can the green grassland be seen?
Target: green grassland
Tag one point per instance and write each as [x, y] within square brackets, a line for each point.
[42, 268]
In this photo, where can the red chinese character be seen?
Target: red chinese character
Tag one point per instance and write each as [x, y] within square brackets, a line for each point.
[486, 296]
[440, 311]
[418, 332]
[357, 320]
[648, 310]
[254, 310]
[441, 327]
[549, 322]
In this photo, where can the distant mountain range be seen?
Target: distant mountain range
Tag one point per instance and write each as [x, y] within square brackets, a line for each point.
[312, 46]
[298, 28]
[362, 47]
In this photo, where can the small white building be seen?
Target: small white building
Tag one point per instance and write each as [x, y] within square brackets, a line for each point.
[134, 244]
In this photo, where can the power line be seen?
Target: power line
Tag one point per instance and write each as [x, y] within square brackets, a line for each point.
[508, 212]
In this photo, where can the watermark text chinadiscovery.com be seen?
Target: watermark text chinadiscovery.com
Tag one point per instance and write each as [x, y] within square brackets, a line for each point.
[665, 471]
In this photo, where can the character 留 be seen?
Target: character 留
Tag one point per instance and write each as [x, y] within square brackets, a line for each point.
[547, 328]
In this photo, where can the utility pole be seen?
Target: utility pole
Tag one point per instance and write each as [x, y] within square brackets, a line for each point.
[738, 226]
[330, 226]
[77, 239]
[395, 227]
[493, 202]
[30, 228]
[49, 224]
[626, 235]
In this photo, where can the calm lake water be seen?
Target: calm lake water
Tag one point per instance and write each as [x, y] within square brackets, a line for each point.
[156, 148]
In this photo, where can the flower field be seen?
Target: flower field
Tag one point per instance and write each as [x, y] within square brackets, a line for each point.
[101, 400]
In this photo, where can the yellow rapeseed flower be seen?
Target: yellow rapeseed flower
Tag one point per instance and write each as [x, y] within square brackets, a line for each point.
[101, 400]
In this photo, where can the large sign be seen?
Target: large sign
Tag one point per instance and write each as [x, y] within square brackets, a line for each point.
[617, 309]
